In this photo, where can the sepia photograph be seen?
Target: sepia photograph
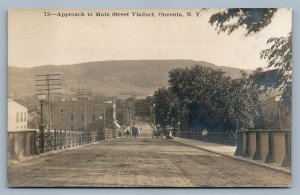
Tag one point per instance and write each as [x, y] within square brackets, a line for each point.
[149, 98]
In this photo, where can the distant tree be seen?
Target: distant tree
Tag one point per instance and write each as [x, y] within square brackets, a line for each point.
[165, 110]
[143, 107]
[130, 99]
[34, 111]
[121, 114]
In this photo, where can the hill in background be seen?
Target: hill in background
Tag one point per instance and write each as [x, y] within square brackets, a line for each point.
[113, 78]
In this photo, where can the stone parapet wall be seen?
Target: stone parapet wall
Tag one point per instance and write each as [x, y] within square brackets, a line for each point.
[267, 146]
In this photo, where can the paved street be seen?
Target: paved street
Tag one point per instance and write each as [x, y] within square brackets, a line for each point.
[141, 162]
[145, 128]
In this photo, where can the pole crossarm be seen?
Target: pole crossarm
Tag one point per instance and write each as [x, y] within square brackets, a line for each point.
[51, 94]
[47, 89]
[38, 75]
[47, 80]
[44, 83]
[47, 85]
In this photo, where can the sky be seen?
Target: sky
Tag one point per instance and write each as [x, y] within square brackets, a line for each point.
[35, 39]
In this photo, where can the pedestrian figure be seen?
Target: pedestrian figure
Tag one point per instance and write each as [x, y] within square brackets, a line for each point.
[134, 131]
[204, 134]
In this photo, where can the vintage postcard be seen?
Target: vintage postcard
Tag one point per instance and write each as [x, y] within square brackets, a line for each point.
[149, 97]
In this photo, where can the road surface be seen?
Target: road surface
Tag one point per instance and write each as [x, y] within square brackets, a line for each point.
[141, 162]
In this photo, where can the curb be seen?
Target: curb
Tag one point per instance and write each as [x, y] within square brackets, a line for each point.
[239, 158]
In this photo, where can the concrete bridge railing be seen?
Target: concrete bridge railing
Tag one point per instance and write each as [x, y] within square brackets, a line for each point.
[21, 144]
[27, 143]
[265, 145]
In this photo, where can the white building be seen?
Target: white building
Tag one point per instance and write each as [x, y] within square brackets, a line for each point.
[17, 115]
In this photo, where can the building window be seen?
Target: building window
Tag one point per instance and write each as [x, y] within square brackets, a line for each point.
[61, 118]
[21, 116]
[94, 108]
[94, 118]
[72, 127]
[72, 117]
[61, 109]
[25, 116]
[17, 117]
[81, 108]
[82, 117]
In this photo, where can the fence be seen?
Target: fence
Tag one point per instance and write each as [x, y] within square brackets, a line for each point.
[226, 138]
[267, 146]
[59, 139]
[33, 142]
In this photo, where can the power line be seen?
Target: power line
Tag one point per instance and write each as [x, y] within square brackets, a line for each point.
[44, 84]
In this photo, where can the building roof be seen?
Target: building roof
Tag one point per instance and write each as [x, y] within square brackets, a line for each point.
[18, 101]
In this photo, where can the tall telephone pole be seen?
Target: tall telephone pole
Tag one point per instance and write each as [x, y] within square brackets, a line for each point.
[84, 94]
[47, 84]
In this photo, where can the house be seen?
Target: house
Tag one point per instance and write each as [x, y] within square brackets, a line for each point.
[17, 115]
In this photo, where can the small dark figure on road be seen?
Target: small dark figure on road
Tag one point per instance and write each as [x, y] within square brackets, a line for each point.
[135, 131]
[157, 132]
[127, 133]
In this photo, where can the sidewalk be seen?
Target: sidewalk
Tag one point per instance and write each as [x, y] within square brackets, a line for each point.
[228, 151]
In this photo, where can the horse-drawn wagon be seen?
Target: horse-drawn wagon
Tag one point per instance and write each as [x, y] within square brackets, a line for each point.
[157, 133]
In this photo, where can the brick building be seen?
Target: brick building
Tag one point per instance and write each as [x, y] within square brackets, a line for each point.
[77, 114]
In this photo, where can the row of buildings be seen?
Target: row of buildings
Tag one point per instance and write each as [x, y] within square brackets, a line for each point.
[73, 114]
[76, 114]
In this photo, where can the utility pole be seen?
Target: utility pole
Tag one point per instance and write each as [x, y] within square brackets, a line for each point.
[130, 106]
[84, 93]
[104, 116]
[178, 121]
[278, 100]
[154, 118]
[104, 113]
[129, 116]
[46, 85]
